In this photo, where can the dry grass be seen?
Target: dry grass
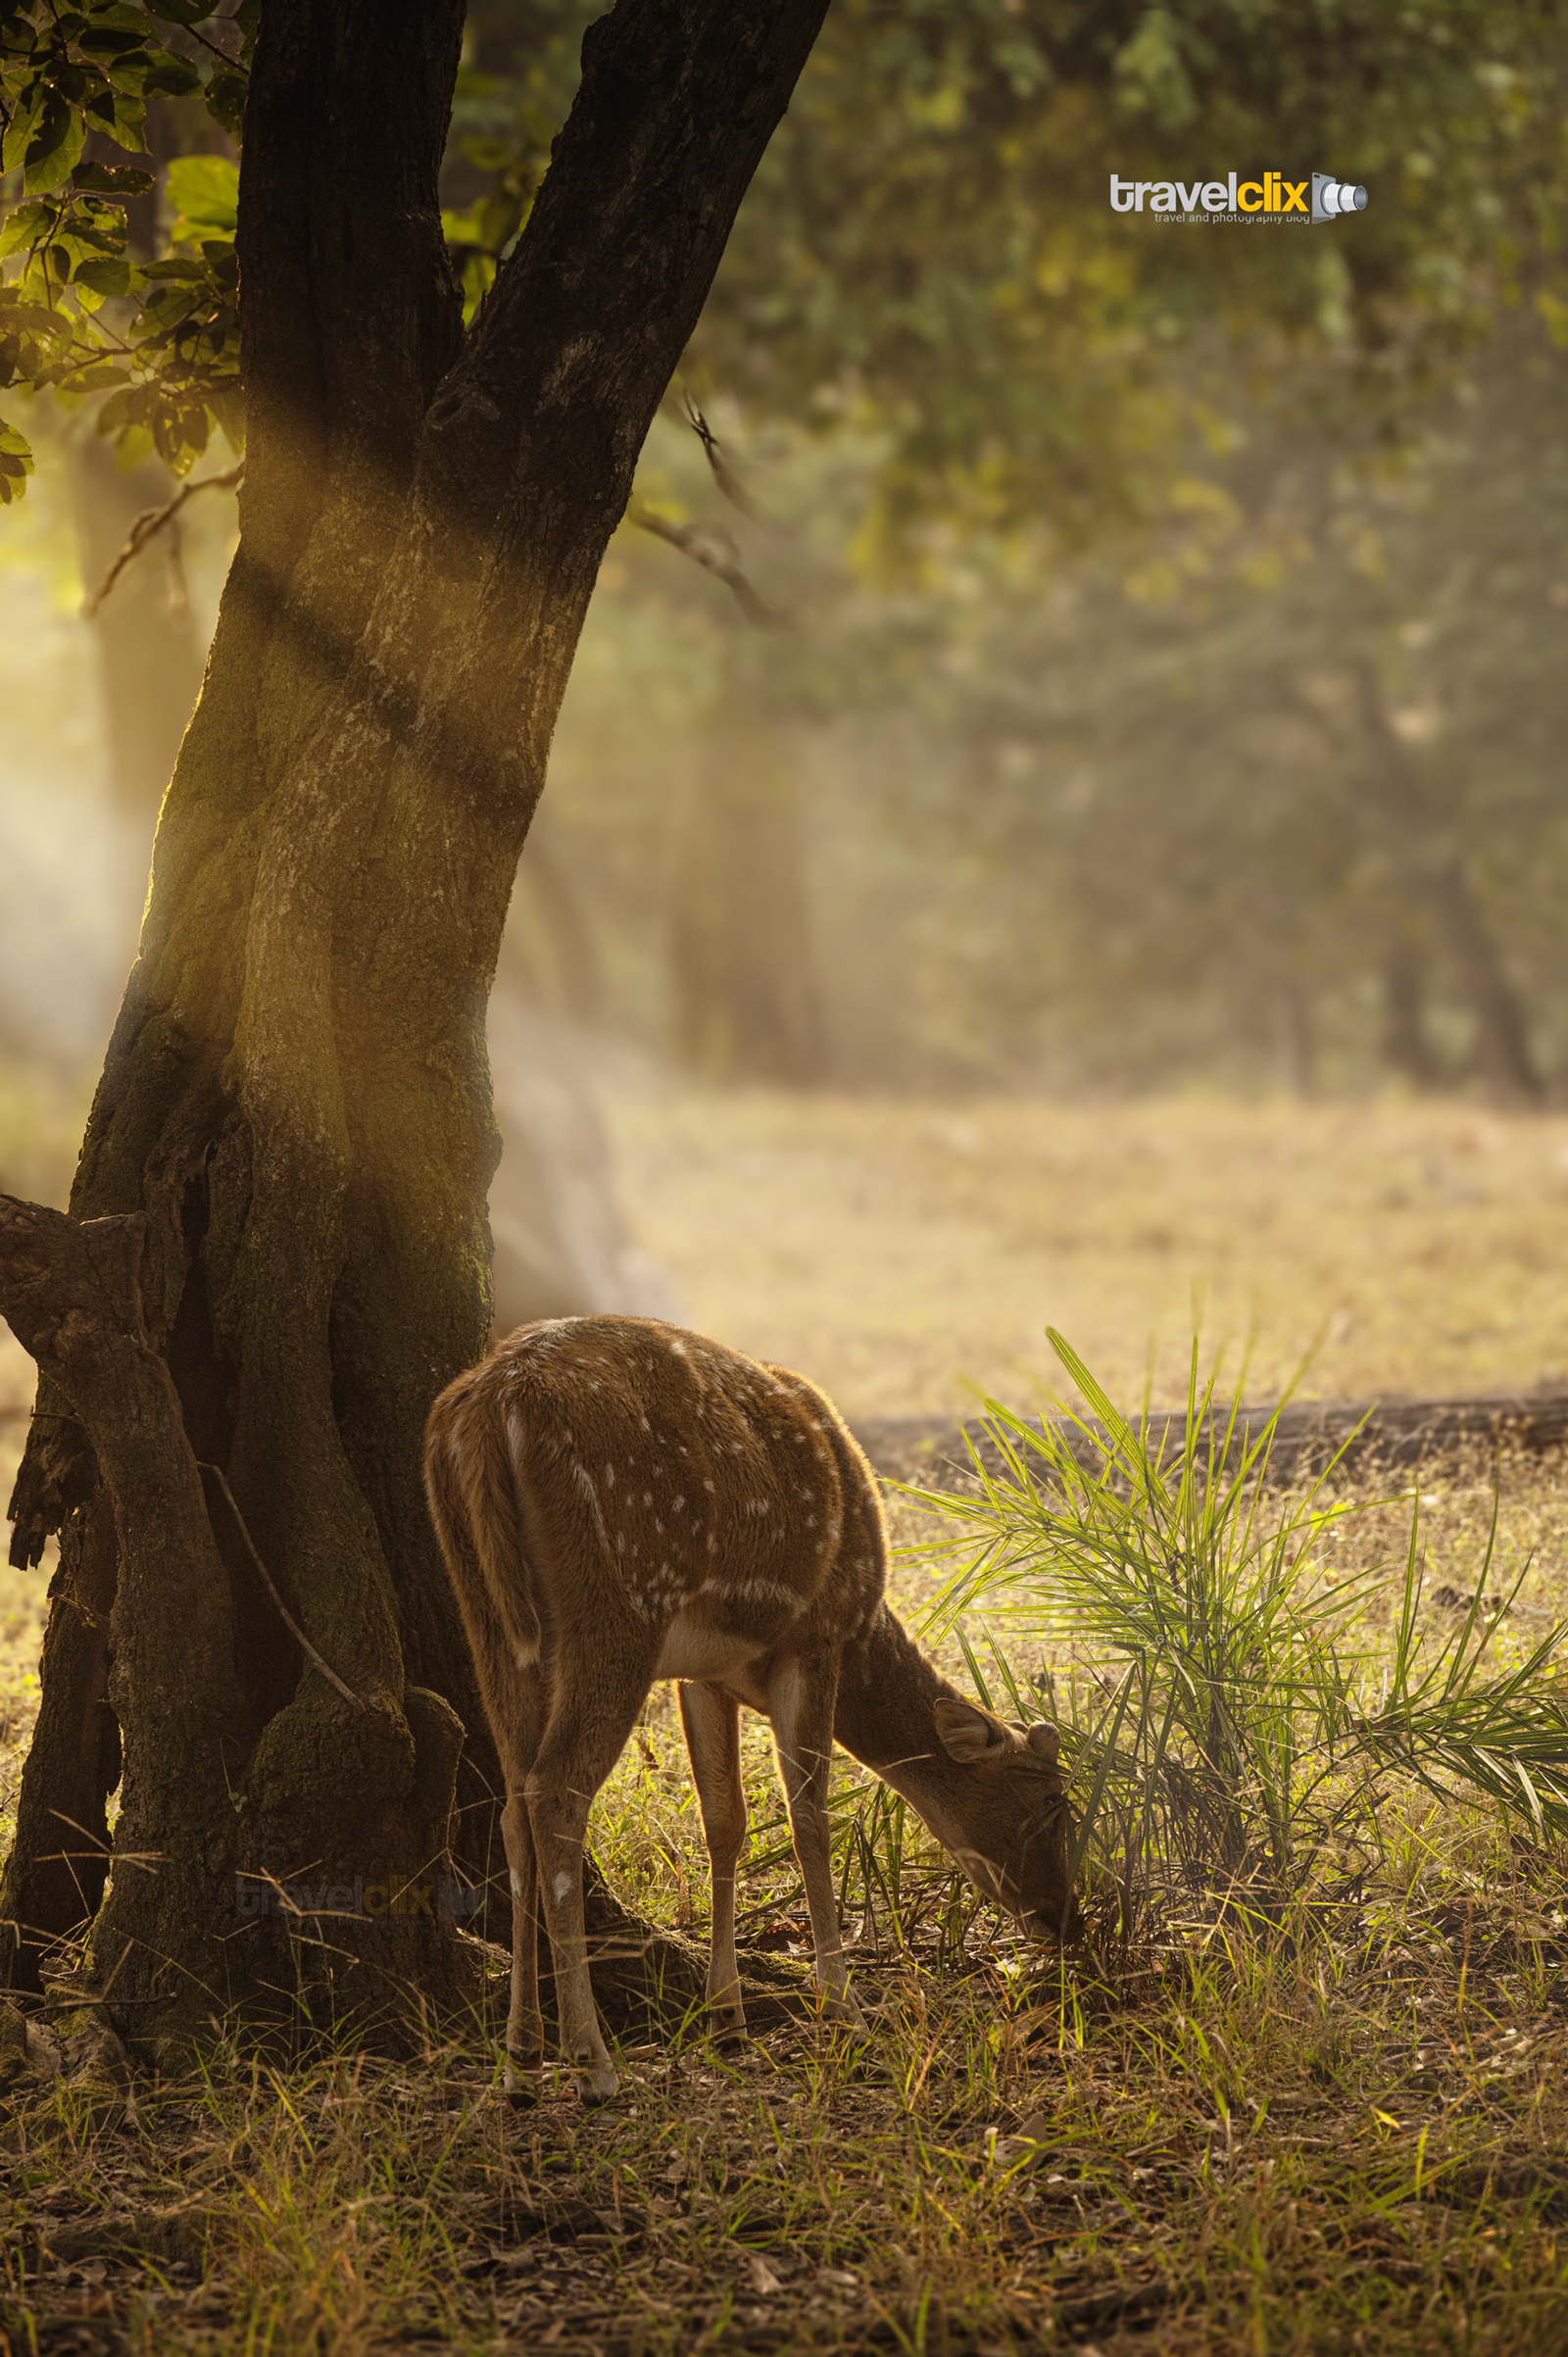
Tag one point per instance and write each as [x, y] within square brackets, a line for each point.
[1352, 2144]
[891, 1248]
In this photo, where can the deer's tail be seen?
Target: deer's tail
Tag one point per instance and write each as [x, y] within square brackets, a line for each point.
[471, 1483]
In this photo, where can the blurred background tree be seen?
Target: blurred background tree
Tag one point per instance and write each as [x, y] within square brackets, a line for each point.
[1175, 671]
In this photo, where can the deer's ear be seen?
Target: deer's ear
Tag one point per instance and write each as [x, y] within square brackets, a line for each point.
[968, 1734]
[1043, 1741]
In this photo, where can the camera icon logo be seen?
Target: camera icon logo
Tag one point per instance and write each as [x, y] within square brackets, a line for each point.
[1332, 198]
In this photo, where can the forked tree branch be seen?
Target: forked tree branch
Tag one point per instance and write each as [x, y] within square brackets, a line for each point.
[725, 475]
[717, 553]
[150, 522]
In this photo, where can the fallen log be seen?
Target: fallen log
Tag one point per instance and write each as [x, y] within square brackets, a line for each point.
[935, 1452]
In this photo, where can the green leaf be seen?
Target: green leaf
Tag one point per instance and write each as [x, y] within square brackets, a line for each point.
[226, 93]
[16, 463]
[20, 128]
[106, 274]
[106, 41]
[170, 77]
[56, 148]
[133, 444]
[229, 411]
[204, 192]
[112, 180]
[132, 406]
[25, 226]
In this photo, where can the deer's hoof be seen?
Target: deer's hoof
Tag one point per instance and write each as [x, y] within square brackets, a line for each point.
[519, 2084]
[596, 2082]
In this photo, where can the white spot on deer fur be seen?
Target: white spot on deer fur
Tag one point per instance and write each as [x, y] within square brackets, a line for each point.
[678, 1349]
[516, 1880]
[678, 1503]
[648, 1497]
[707, 1484]
[563, 1884]
[643, 1420]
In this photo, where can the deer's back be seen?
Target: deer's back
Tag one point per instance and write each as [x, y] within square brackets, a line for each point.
[662, 1475]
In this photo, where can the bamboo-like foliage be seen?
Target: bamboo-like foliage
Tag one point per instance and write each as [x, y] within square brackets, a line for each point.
[1231, 1717]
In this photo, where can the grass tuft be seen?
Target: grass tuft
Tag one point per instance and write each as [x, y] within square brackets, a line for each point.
[1234, 1718]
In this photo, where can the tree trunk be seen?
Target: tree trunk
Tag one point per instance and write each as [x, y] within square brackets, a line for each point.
[1295, 1045]
[1405, 1046]
[291, 1143]
[1433, 870]
[744, 997]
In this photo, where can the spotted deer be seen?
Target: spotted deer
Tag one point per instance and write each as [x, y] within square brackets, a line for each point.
[619, 1501]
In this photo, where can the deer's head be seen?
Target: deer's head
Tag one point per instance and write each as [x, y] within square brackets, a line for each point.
[1013, 1833]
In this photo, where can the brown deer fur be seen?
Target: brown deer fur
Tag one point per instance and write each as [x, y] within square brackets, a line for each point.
[618, 1500]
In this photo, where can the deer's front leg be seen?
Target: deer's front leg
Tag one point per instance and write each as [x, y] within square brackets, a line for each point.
[525, 2038]
[799, 1703]
[711, 1721]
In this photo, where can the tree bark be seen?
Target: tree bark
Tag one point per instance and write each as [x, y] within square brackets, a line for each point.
[291, 1143]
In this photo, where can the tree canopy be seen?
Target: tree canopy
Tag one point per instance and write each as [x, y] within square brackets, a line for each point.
[929, 243]
[151, 338]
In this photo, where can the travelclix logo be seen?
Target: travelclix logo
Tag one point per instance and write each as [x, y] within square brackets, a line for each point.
[1271, 198]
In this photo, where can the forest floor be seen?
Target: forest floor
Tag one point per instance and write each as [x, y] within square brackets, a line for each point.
[1345, 2131]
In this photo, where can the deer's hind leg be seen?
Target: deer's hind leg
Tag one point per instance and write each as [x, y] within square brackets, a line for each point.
[712, 1720]
[590, 1720]
[525, 2034]
[515, 1701]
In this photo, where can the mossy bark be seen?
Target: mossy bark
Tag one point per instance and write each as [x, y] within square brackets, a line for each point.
[291, 1143]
